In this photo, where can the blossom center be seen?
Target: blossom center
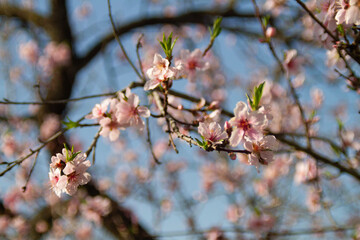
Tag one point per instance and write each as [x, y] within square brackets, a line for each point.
[72, 177]
[192, 64]
[244, 124]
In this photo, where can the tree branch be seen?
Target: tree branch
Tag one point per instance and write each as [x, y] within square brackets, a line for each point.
[23, 14]
[200, 17]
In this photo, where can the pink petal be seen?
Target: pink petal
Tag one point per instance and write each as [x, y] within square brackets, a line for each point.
[143, 111]
[236, 137]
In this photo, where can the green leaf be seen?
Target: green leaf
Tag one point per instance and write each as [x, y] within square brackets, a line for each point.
[340, 124]
[210, 31]
[73, 155]
[173, 44]
[341, 30]
[216, 30]
[199, 142]
[265, 20]
[70, 124]
[313, 114]
[167, 45]
[258, 91]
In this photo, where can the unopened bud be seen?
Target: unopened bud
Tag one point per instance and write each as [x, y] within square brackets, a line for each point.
[227, 126]
[214, 105]
[270, 32]
[232, 156]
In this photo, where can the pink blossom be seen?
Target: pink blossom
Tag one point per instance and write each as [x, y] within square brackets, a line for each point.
[292, 62]
[262, 223]
[262, 187]
[95, 208]
[270, 32]
[9, 145]
[159, 73]
[41, 226]
[84, 231]
[214, 233]
[59, 160]
[75, 171]
[334, 59]
[277, 168]
[313, 200]
[58, 181]
[305, 171]
[54, 55]
[4, 223]
[166, 205]
[11, 199]
[192, 63]
[110, 128]
[209, 176]
[317, 97]
[20, 225]
[50, 126]
[234, 213]
[275, 6]
[83, 10]
[261, 150]
[29, 52]
[15, 73]
[67, 172]
[129, 112]
[99, 110]
[212, 132]
[245, 124]
[349, 12]
[59, 53]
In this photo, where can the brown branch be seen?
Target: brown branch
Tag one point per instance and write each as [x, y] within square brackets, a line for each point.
[282, 139]
[196, 17]
[23, 14]
[318, 156]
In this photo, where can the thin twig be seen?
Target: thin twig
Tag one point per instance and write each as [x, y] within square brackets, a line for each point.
[208, 47]
[138, 46]
[31, 171]
[32, 152]
[150, 142]
[335, 38]
[119, 42]
[61, 101]
[93, 145]
[292, 89]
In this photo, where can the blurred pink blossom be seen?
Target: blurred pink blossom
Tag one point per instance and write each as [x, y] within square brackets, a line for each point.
[29, 52]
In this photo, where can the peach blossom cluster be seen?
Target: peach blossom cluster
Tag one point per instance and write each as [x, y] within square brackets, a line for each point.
[68, 172]
[115, 114]
[187, 66]
[55, 55]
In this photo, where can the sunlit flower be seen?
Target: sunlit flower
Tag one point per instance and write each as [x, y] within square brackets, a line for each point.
[305, 171]
[58, 181]
[129, 112]
[212, 132]
[75, 171]
[246, 124]
[159, 73]
[192, 63]
[261, 150]
[349, 12]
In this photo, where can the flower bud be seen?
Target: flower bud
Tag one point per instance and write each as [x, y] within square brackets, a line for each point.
[270, 32]
[214, 105]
